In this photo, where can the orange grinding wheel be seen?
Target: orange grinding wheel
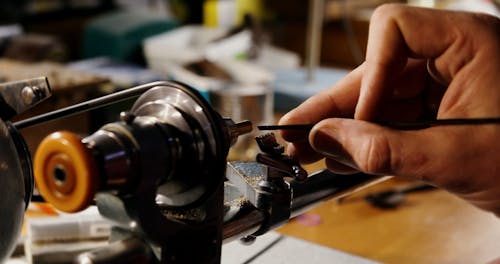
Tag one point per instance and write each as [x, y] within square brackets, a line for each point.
[65, 172]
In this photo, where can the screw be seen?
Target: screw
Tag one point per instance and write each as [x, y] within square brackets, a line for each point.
[29, 94]
[248, 240]
[127, 117]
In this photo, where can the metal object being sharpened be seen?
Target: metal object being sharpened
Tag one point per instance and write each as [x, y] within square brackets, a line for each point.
[409, 125]
[160, 175]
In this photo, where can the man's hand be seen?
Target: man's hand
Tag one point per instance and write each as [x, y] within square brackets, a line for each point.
[420, 63]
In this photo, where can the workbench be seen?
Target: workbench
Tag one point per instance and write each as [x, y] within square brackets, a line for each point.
[429, 227]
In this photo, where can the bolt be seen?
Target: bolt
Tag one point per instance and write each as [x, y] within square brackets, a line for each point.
[248, 240]
[29, 95]
[127, 117]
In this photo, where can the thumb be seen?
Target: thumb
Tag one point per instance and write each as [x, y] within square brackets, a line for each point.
[375, 149]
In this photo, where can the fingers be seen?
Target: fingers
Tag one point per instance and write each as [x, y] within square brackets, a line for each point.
[303, 152]
[339, 168]
[399, 110]
[411, 81]
[339, 100]
[378, 150]
[463, 54]
[461, 159]
[399, 32]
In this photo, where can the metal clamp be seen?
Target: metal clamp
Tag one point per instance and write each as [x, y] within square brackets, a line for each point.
[263, 184]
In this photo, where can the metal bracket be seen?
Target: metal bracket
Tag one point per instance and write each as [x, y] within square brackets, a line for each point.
[19, 96]
[250, 178]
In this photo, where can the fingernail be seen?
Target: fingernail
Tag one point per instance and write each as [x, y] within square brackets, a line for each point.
[328, 143]
[284, 119]
[290, 149]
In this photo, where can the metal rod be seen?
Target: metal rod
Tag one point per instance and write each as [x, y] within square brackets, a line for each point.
[286, 127]
[410, 125]
[88, 105]
[442, 122]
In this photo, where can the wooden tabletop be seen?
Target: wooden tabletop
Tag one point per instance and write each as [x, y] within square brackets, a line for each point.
[430, 227]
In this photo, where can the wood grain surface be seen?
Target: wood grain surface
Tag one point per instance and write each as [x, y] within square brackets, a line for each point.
[429, 227]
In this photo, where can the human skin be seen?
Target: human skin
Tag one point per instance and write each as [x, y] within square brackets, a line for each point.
[420, 63]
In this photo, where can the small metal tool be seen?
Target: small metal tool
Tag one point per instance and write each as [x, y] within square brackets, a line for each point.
[410, 125]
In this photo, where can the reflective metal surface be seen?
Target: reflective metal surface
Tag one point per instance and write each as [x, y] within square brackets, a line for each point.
[17, 97]
[12, 192]
[16, 176]
[169, 105]
[244, 218]
[162, 169]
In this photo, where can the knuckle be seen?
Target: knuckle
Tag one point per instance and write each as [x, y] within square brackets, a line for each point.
[483, 27]
[386, 11]
[491, 26]
[375, 155]
[486, 21]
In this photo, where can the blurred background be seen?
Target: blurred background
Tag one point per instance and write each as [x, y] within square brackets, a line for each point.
[240, 54]
[251, 59]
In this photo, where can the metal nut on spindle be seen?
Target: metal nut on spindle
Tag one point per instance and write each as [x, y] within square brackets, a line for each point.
[127, 117]
[237, 129]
